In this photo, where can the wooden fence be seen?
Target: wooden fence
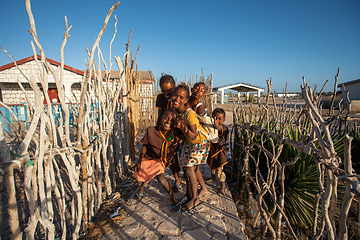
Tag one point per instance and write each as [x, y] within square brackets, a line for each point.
[288, 169]
[56, 172]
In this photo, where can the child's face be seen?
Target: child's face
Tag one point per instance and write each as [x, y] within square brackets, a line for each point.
[179, 98]
[198, 91]
[219, 117]
[167, 89]
[166, 121]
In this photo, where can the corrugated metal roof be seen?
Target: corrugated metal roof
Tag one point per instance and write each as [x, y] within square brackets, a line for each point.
[31, 58]
[144, 76]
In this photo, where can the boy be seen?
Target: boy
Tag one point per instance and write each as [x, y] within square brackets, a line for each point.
[217, 156]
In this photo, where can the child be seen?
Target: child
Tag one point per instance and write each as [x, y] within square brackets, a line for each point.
[197, 92]
[217, 156]
[167, 85]
[157, 152]
[195, 149]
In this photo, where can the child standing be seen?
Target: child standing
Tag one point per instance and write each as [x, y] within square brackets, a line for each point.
[163, 102]
[167, 86]
[157, 152]
[197, 93]
[195, 149]
[217, 157]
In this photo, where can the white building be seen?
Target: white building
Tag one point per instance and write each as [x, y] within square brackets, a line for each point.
[289, 95]
[354, 93]
[239, 87]
[10, 92]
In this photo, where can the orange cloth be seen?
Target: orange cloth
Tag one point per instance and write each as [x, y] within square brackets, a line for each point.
[148, 170]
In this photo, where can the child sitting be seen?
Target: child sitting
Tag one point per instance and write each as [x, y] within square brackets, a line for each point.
[217, 156]
[157, 152]
[167, 86]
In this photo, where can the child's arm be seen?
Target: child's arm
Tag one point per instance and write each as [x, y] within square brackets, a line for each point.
[191, 132]
[142, 154]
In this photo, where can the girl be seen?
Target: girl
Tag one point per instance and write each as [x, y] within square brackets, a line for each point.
[195, 149]
[157, 152]
[197, 93]
[167, 86]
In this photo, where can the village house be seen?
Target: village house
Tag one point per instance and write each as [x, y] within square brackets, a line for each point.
[12, 95]
[145, 97]
[354, 93]
[146, 80]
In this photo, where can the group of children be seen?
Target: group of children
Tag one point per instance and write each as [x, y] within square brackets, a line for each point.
[180, 139]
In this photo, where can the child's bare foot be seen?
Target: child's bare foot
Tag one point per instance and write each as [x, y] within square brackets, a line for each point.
[222, 189]
[203, 192]
[191, 204]
[221, 192]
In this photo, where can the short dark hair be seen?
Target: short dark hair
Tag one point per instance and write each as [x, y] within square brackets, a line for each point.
[218, 110]
[166, 79]
[198, 83]
[184, 87]
[166, 112]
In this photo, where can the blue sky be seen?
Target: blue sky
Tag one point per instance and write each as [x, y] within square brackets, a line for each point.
[237, 41]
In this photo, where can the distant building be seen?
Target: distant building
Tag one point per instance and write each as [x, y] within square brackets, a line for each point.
[353, 87]
[239, 87]
[11, 93]
[354, 93]
[287, 94]
[145, 87]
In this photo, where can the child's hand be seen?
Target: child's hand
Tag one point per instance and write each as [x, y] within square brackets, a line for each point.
[175, 122]
[216, 122]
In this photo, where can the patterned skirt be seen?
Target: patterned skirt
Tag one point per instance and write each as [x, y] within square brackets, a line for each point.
[148, 170]
[194, 154]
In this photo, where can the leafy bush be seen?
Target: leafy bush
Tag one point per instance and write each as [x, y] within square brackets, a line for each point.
[301, 178]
